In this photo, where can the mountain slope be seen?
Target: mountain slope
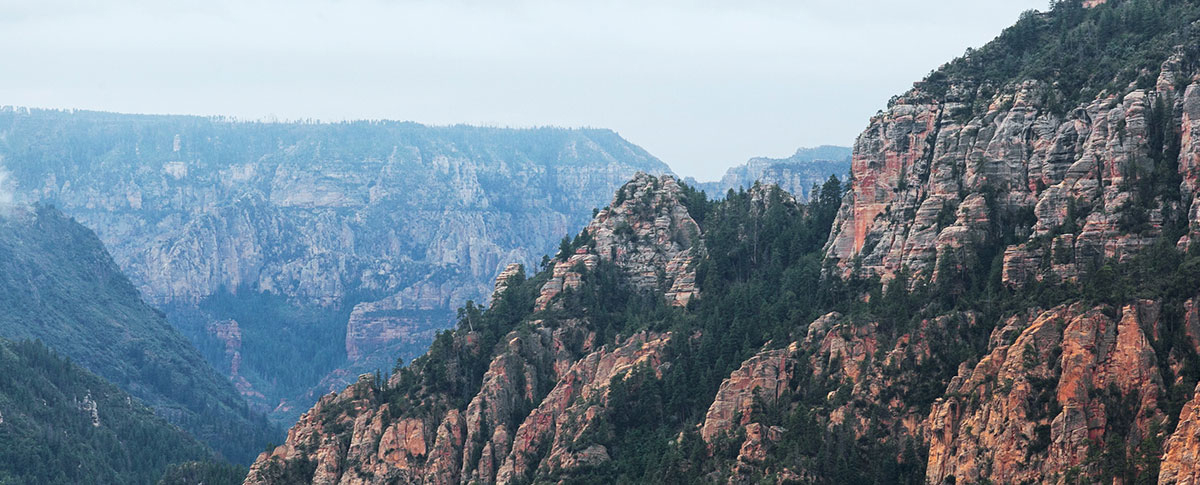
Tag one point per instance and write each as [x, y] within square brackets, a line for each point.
[1008, 294]
[59, 286]
[295, 255]
[62, 424]
[590, 370]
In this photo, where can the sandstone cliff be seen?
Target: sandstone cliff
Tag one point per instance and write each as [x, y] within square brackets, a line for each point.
[937, 184]
[544, 394]
[1006, 294]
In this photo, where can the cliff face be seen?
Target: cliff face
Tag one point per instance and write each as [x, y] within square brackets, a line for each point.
[1034, 319]
[545, 394]
[365, 236]
[1057, 389]
[930, 184]
[944, 190]
[647, 232]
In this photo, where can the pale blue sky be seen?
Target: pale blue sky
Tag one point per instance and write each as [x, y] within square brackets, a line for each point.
[701, 84]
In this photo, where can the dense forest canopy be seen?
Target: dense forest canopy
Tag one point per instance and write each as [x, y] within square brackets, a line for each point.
[59, 285]
[1079, 52]
[60, 423]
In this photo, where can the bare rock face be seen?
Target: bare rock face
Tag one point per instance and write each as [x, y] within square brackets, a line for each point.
[545, 389]
[313, 440]
[502, 279]
[762, 378]
[1181, 462]
[228, 332]
[353, 438]
[411, 316]
[577, 404]
[648, 233]
[1045, 399]
[933, 187]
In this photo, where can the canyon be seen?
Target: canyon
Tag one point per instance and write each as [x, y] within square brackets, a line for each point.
[1006, 293]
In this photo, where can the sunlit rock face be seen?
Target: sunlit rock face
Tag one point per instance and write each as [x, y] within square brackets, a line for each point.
[934, 185]
[364, 236]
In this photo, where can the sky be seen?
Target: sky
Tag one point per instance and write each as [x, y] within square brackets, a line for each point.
[701, 84]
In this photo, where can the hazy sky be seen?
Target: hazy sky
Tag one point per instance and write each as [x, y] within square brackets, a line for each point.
[701, 84]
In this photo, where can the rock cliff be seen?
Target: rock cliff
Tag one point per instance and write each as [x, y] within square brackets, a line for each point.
[364, 236]
[545, 393]
[59, 287]
[938, 184]
[1006, 294]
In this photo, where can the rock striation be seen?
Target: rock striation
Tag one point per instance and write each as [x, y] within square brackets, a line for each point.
[1045, 398]
[964, 348]
[935, 184]
[763, 378]
[1181, 462]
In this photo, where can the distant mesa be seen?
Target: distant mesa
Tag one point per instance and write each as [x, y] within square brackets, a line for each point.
[796, 174]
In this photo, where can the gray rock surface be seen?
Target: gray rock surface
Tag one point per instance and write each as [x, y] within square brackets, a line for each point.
[383, 228]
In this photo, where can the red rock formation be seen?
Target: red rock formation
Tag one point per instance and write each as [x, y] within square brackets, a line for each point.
[545, 387]
[648, 233]
[764, 377]
[575, 406]
[1181, 462]
[502, 279]
[1038, 404]
[928, 184]
[230, 333]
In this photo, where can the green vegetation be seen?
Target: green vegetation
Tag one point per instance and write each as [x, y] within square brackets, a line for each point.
[1080, 52]
[293, 356]
[59, 286]
[203, 473]
[456, 370]
[763, 282]
[50, 435]
[191, 187]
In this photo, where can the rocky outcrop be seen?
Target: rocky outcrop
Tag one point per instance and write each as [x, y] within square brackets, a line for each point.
[558, 428]
[647, 232]
[404, 318]
[763, 378]
[935, 184]
[544, 397]
[513, 269]
[355, 438]
[1057, 390]
[314, 440]
[1181, 461]
[397, 222]
[960, 178]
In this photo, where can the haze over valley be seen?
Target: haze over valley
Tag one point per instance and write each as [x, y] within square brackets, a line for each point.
[993, 278]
